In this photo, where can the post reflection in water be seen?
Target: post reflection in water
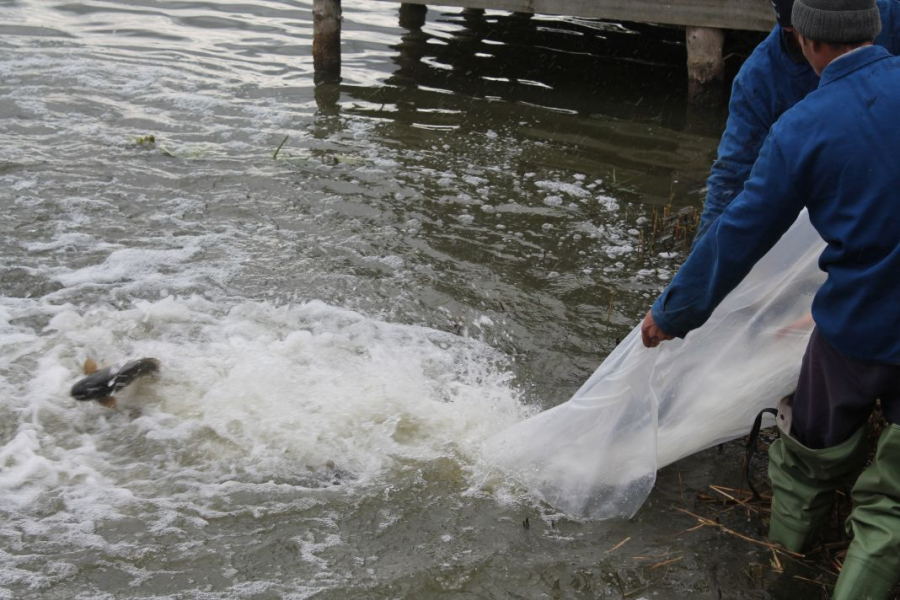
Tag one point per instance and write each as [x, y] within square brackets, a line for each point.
[459, 63]
[328, 95]
[615, 95]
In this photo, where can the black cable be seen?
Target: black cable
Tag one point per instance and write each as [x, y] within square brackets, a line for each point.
[751, 447]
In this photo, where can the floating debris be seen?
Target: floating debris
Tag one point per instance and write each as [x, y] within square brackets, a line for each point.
[145, 140]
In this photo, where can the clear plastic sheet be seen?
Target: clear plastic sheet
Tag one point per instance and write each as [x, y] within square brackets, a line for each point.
[596, 456]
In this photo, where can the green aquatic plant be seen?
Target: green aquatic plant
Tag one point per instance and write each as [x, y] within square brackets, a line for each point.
[149, 142]
[278, 149]
[145, 140]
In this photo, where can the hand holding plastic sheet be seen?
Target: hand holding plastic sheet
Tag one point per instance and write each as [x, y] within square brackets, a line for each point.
[596, 455]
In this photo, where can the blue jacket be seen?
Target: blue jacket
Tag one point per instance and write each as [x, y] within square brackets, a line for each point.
[770, 82]
[835, 153]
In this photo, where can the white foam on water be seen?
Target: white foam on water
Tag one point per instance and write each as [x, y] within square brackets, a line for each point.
[553, 201]
[128, 264]
[608, 202]
[252, 398]
[567, 188]
[153, 266]
[69, 240]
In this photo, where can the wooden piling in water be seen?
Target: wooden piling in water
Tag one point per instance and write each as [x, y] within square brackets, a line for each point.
[705, 65]
[327, 40]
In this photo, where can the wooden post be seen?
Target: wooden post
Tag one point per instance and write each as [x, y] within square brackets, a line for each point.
[412, 16]
[327, 40]
[705, 64]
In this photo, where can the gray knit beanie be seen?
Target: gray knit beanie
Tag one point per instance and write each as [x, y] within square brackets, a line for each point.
[837, 21]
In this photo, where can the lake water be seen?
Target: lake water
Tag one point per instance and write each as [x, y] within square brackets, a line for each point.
[349, 288]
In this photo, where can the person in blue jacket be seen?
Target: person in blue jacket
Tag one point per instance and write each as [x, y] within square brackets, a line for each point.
[774, 78]
[834, 153]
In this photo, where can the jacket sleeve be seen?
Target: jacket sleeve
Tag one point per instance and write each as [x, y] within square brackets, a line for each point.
[748, 124]
[746, 230]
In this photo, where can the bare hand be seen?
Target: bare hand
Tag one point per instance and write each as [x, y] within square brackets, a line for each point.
[651, 334]
[802, 325]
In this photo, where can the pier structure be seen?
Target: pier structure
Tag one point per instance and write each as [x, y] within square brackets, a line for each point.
[705, 22]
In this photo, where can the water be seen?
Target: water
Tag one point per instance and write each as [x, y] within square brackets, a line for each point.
[446, 242]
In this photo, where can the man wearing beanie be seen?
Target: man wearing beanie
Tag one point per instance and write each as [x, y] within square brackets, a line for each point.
[834, 153]
[772, 79]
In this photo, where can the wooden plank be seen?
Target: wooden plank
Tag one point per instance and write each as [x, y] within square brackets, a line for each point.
[752, 15]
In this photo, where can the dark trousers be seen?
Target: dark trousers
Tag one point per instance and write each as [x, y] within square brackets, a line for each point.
[835, 395]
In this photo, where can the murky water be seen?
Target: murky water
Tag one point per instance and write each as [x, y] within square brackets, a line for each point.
[350, 287]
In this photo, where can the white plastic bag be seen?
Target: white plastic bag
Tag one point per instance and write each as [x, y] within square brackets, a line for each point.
[596, 456]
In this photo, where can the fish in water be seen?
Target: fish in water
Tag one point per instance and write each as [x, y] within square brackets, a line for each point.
[101, 384]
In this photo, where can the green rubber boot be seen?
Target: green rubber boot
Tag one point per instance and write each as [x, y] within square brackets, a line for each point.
[872, 568]
[804, 481]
